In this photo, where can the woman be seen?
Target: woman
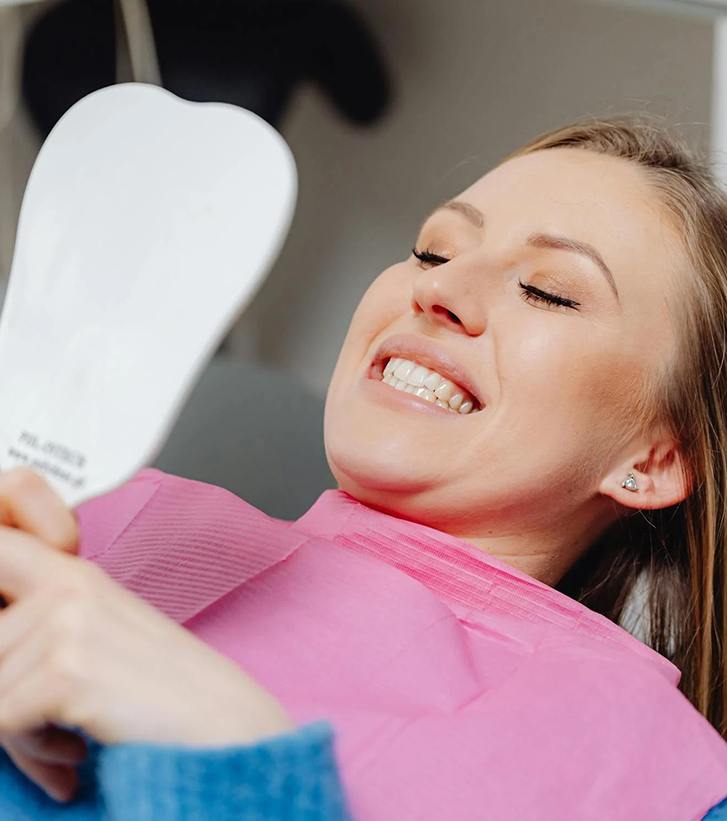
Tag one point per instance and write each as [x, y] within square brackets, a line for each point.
[527, 417]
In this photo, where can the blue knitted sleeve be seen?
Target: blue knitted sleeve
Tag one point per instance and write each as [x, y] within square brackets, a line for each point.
[291, 776]
[718, 812]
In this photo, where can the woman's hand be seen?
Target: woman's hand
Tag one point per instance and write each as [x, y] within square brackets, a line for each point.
[78, 650]
[47, 756]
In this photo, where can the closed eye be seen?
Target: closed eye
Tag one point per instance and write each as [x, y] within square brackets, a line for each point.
[427, 257]
[533, 294]
[530, 292]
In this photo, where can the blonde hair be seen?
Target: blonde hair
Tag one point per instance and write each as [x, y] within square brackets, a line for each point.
[677, 554]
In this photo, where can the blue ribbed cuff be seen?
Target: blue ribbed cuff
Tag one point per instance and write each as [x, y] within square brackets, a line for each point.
[718, 812]
[290, 776]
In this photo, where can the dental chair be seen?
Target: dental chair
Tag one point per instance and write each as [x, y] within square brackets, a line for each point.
[254, 430]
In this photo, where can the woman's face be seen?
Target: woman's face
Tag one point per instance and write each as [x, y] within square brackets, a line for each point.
[552, 385]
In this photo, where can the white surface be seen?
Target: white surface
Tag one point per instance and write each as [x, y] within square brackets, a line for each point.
[719, 100]
[147, 225]
[718, 4]
[705, 9]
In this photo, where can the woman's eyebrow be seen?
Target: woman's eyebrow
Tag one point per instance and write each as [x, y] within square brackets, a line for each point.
[469, 212]
[583, 248]
[476, 217]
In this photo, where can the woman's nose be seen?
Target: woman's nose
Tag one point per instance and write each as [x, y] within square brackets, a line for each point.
[447, 298]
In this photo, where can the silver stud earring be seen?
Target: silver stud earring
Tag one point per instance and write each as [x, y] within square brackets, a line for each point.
[630, 482]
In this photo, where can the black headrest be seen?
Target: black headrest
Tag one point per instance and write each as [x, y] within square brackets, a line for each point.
[252, 53]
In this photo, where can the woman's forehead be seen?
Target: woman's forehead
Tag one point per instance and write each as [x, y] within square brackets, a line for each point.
[592, 198]
[566, 180]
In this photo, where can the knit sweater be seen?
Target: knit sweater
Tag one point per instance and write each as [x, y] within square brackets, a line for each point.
[293, 777]
[718, 813]
[290, 776]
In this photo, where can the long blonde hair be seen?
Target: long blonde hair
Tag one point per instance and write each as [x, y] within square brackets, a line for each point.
[676, 554]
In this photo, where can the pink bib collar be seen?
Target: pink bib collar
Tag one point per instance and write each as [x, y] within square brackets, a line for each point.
[469, 580]
[459, 687]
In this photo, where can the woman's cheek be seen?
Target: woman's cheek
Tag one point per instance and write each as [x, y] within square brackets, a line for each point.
[540, 348]
[586, 378]
[373, 314]
[391, 292]
[387, 300]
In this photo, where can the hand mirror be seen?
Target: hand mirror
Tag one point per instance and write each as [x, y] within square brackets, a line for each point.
[147, 226]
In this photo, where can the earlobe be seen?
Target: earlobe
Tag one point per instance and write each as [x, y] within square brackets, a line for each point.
[630, 488]
[655, 482]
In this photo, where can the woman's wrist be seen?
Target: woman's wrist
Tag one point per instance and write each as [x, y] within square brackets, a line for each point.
[244, 727]
[247, 715]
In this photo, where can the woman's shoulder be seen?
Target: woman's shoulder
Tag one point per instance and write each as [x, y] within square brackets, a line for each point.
[634, 699]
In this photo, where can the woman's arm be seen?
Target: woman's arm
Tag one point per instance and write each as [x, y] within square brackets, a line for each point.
[289, 776]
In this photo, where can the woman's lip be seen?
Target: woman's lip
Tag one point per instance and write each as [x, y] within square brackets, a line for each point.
[424, 352]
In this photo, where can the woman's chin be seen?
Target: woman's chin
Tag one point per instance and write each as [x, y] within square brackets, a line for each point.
[375, 465]
[355, 472]
[372, 447]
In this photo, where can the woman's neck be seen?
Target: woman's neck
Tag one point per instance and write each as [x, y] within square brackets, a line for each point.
[545, 553]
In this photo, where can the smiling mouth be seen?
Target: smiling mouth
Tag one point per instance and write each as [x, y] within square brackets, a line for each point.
[410, 377]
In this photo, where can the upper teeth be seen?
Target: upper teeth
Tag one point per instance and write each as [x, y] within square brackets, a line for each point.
[405, 375]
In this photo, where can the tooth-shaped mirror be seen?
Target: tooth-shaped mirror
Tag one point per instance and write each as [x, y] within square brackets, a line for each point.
[147, 226]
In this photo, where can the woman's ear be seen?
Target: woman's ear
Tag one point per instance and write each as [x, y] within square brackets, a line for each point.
[660, 475]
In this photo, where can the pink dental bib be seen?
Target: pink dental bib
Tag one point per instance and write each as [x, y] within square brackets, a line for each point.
[457, 686]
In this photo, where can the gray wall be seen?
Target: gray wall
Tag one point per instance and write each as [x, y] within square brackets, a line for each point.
[473, 80]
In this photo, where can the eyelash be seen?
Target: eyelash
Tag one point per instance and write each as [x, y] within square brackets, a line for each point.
[530, 292]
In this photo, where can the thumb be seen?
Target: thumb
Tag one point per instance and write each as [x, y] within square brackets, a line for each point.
[29, 503]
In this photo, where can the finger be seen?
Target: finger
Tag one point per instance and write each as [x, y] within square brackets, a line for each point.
[59, 781]
[21, 621]
[39, 673]
[35, 700]
[51, 745]
[26, 563]
[29, 502]
[22, 705]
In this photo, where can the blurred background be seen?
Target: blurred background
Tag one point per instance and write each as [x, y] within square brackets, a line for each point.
[389, 107]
